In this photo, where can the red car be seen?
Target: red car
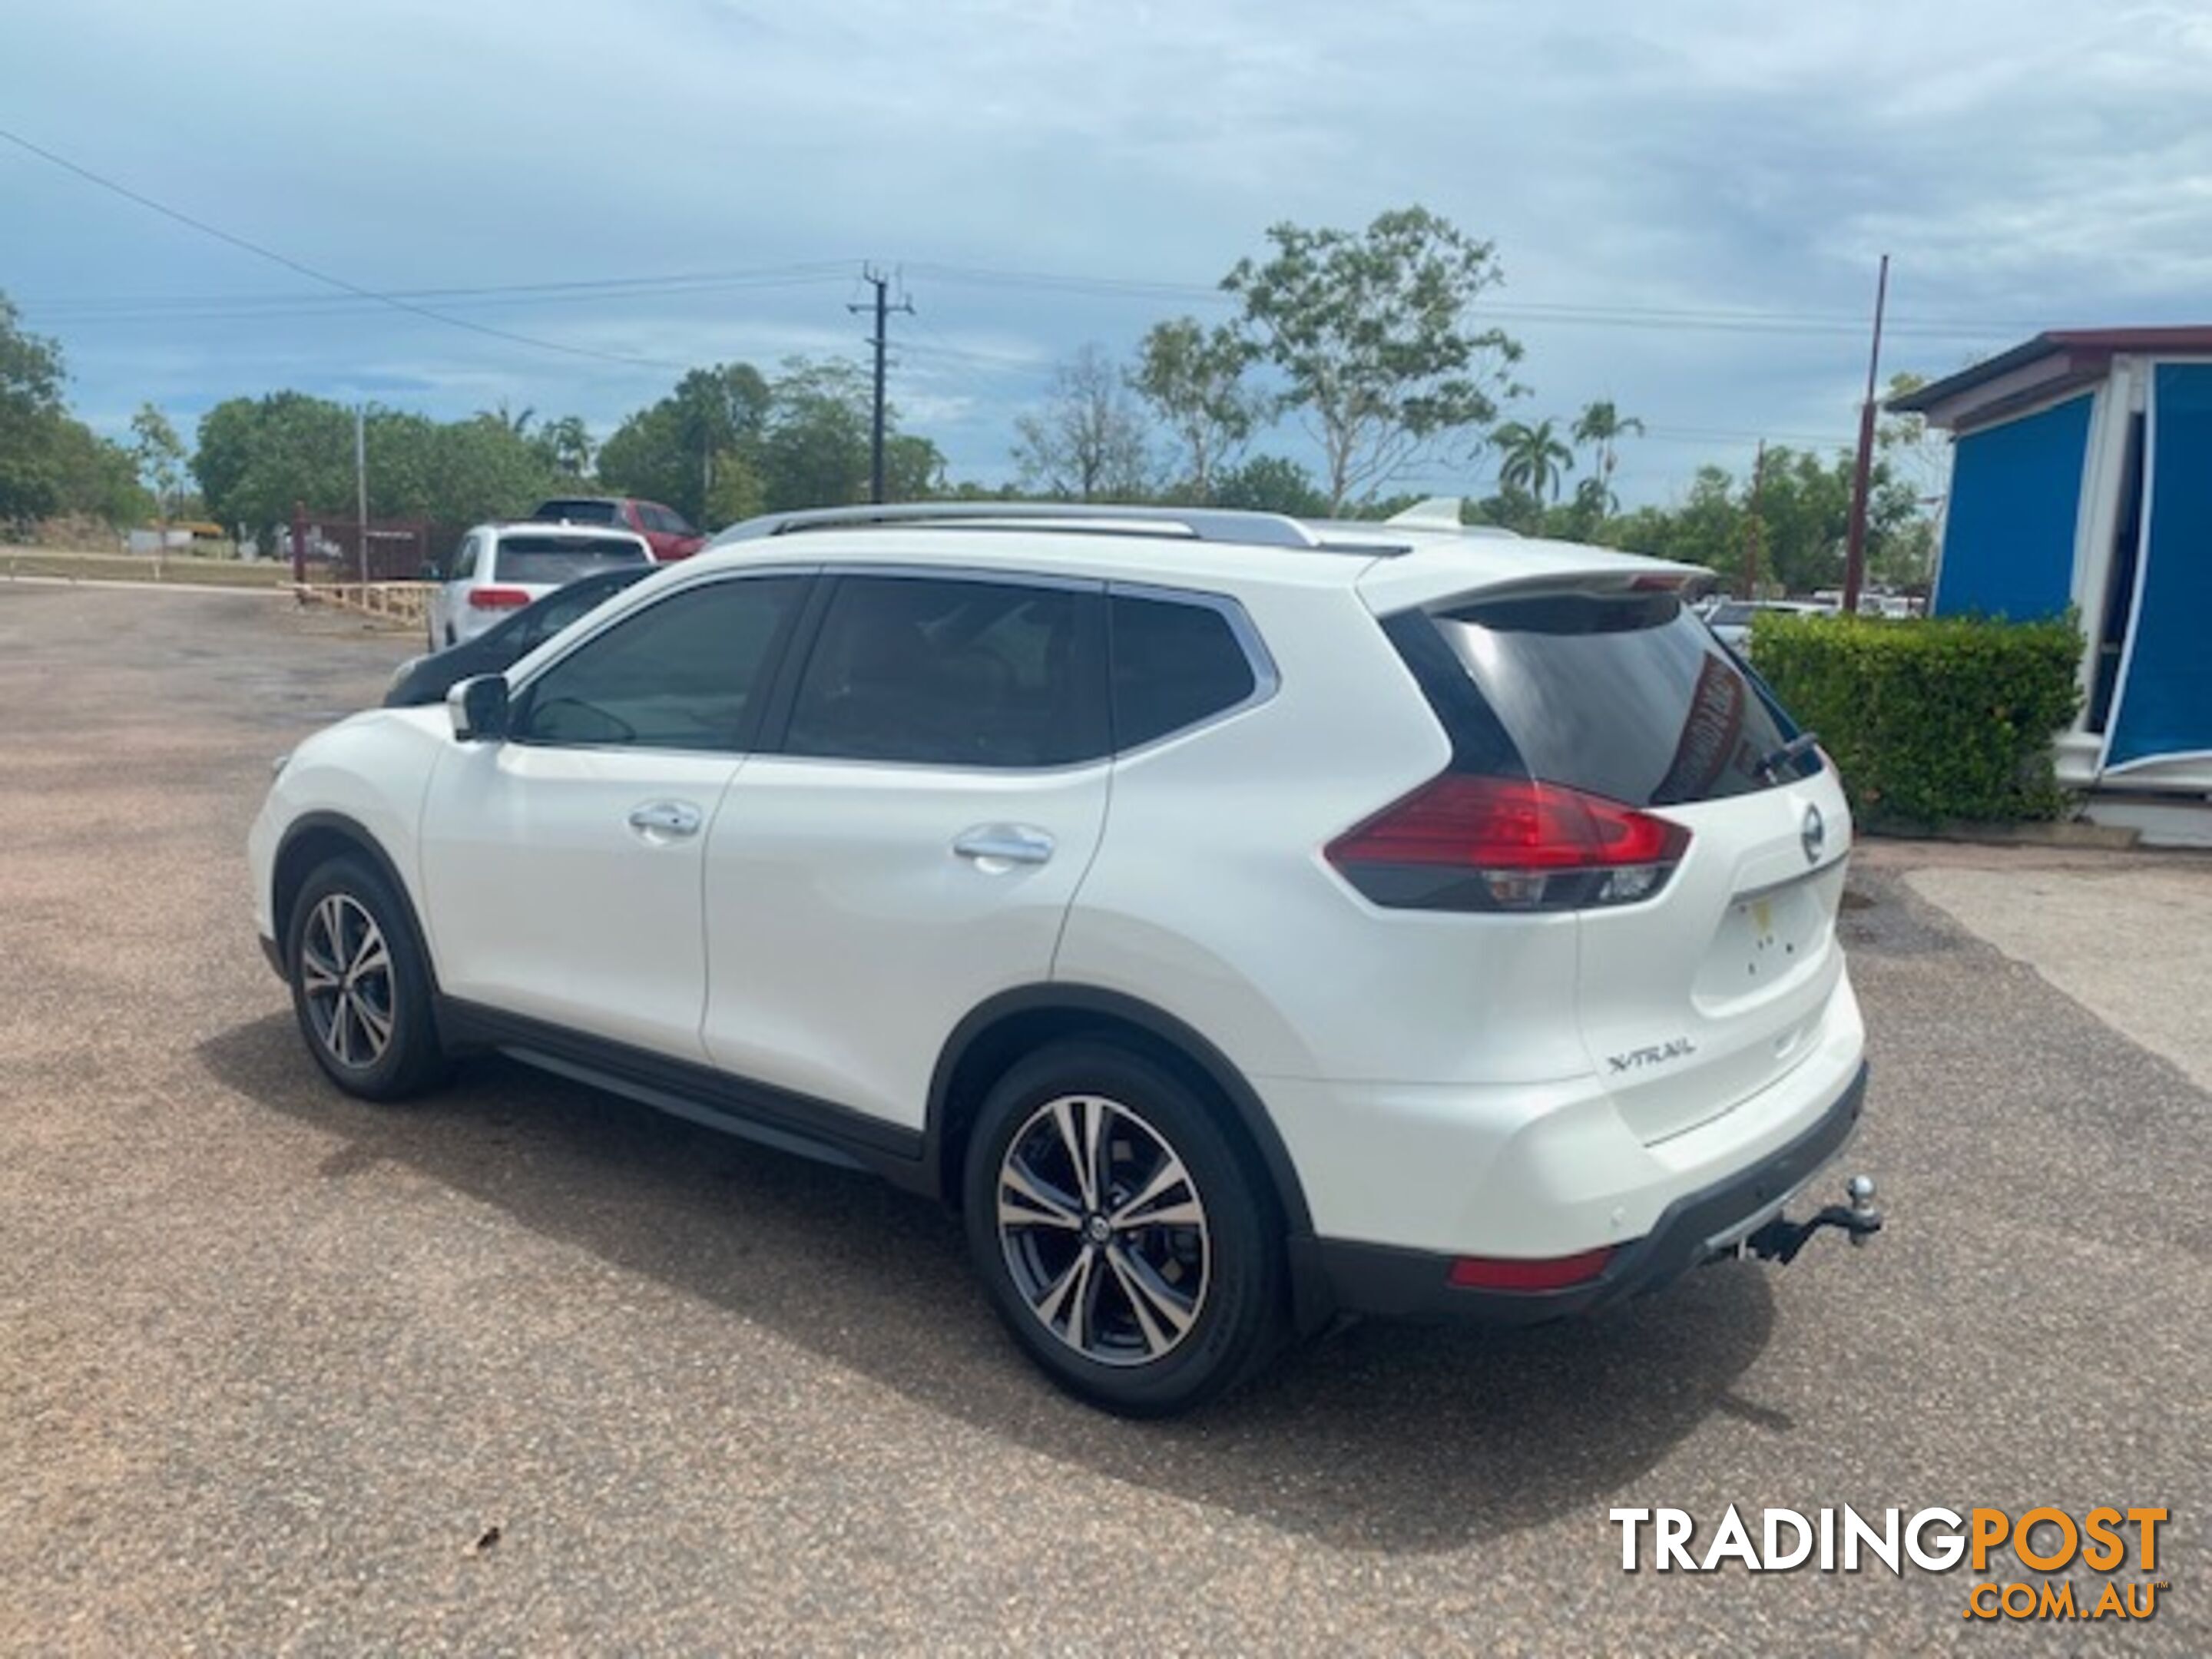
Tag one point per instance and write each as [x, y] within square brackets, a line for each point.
[666, 531]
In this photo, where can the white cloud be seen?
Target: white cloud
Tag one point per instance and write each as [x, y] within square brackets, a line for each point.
[2028, 161]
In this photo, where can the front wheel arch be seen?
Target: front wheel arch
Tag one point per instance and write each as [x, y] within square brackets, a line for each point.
[314, 839]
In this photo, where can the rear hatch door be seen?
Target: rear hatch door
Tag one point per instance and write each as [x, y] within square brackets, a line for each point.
[1693, 999]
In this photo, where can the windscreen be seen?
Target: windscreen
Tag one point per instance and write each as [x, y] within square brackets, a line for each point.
[552, 560]
[1624, 696]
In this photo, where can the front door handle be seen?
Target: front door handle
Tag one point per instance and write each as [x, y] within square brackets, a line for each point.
[666, 820]
[997, 845]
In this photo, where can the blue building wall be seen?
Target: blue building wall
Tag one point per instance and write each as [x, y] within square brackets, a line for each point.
[2165, 700]
[2009, 531]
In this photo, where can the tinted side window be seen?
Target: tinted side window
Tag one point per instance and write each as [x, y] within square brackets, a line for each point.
[1175, 664]
[465, 562]
[685, 673]
[940, 672]
[543, 620]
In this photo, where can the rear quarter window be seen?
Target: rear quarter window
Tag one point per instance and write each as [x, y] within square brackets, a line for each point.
[1176, 663]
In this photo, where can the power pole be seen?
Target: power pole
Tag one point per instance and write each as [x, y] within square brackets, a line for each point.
[1855, 551]
[880, 340]
[360, 484]
[1754, 526]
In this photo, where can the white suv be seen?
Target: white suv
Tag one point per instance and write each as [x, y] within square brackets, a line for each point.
[498, 569]
[1241, 922]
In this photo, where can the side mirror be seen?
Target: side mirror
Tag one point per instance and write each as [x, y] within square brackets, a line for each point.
[431, 572]
[478, 708]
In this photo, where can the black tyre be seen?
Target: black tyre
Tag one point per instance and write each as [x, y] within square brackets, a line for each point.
[1130, 1248]
[361, 987]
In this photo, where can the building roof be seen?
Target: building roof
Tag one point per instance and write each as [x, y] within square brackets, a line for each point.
[2057, 360]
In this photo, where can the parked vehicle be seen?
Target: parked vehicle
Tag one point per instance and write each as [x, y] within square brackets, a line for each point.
[1731, 619]
[1461, 941]
[427, 679]
[666, 531]
[498, 569]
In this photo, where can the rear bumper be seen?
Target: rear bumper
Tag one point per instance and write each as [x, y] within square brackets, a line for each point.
[1390, 1283]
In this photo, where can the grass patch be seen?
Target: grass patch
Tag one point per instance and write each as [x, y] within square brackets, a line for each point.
[137, 567]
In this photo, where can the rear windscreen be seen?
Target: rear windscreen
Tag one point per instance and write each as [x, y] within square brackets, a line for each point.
[583, 512]
[1625, 695]
[556, 559]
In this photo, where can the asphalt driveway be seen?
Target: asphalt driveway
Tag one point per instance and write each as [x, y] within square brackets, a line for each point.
[274, 1364]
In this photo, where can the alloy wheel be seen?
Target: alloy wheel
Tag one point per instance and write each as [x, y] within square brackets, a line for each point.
[1103, 1231]
[345, 976]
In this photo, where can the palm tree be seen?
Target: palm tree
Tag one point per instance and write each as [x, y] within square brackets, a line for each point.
[1532, 458]
[519, 424]
[1602, 426]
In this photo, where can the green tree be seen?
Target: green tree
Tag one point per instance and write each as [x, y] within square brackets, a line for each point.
[256, 456]
[914, 468]
[738, 490]
[669, 452]
[1088, 442]
[478, 469]
[1601, 426]
[94, 476]
[1270, 483]
[30, 417]
[1532, 458]
[1372, 336]
[645, 455]
[1705, 528]
[565, 447]
[1194, 380]
[516, 422]
[816, 449]
[159, 454]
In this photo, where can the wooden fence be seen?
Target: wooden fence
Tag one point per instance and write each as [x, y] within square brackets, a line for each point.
[404, 603]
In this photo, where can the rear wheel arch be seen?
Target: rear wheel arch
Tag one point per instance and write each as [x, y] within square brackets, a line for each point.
[997, 1035]
[314, 840]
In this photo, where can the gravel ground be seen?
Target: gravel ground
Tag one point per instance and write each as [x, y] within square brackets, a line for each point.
[2129, 938]
[274, 1364]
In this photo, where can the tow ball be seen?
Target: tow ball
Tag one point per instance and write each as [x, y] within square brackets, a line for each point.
[1780, 1239]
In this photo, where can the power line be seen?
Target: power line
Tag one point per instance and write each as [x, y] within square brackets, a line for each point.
[325, 277]
[144, 308]
[1598, 314]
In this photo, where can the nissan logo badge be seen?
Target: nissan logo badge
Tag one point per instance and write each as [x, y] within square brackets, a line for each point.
[1814, 835]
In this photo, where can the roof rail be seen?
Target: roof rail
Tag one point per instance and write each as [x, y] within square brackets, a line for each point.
[1204, 524]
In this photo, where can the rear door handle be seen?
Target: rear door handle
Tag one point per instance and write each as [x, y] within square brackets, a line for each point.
[669, 820]
[1002, 844]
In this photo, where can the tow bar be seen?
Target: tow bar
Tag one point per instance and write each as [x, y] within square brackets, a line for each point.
[1780, 1239]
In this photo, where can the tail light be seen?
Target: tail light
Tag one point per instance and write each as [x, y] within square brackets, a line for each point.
[1463, 843]
[498, 598]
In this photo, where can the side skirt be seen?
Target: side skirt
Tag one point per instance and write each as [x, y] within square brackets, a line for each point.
[800, 1124]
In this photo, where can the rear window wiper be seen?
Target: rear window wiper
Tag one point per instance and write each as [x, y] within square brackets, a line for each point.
[1770, 766]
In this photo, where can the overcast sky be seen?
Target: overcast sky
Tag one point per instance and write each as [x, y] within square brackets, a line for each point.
[2026, 163]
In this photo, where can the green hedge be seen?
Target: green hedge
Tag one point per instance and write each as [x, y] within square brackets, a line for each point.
[1930, 721]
